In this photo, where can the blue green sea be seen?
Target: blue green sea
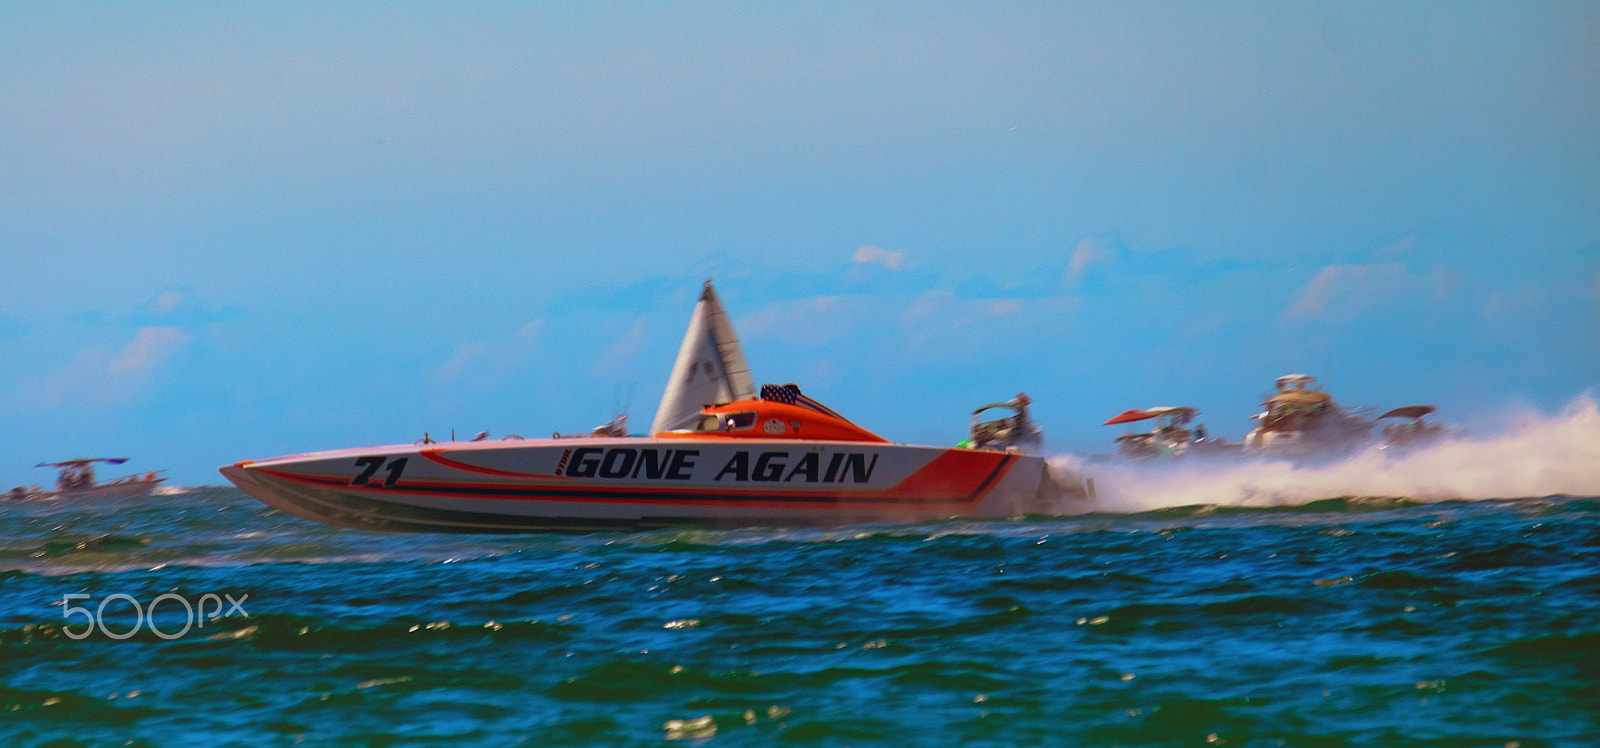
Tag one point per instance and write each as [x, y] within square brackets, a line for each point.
[1334, 622]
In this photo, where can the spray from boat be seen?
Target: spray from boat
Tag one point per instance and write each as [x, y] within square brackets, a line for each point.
[1540, 456]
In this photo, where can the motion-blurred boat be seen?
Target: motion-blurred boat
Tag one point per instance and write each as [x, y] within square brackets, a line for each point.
[1412, 432]
[720, 453]
[1301, 420]
[76, 480]
[1014, 432]
[1170, 436]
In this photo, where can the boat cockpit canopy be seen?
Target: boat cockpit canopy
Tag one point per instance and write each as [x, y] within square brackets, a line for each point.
[1015, 432]
[1409, 411]
[770, 419]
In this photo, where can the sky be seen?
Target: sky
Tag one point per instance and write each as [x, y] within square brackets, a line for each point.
[241, 230]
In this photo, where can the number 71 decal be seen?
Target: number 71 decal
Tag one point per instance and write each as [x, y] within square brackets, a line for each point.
[370, 465]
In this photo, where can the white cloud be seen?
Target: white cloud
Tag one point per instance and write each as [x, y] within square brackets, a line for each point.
[1003, 307]
[813, 320]
[1085, 255]
[166, 301]
[1517, 306]
[1445, 282]
[487, 362]
[940, 324]
[622, 357]
[1341, 292]
[149, 348]
[1398, 249]
[888, 258]
[888, 332]
[101, 377]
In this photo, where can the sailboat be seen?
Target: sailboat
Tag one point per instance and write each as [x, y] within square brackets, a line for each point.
[721, 453]
[710, 367]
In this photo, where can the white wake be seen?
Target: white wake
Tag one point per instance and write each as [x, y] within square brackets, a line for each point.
[1541, 455]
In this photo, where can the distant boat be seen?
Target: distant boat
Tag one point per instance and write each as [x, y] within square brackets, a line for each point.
[1171, 435]
[720, 453]
[1413, 433]
[76, 480]
[1301, 420]
[1016, 431]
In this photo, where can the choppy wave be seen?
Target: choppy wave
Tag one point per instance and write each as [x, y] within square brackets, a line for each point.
[1330, 623]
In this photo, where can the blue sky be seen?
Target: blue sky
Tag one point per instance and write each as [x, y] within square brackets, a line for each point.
[254, 229]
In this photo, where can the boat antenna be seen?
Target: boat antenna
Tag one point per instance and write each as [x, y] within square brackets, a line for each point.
[625, 400]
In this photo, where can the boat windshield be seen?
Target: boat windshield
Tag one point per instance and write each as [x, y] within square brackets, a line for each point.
[713, 422]
[700, 422]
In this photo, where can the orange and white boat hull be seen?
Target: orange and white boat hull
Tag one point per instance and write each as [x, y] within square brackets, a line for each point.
[640, 482]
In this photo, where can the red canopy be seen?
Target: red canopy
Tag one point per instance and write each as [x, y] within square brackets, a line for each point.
[1129, 416]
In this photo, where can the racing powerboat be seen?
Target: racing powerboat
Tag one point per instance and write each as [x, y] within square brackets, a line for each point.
[75, 480]
[1299, 420]
[761, 461]
[721, 453]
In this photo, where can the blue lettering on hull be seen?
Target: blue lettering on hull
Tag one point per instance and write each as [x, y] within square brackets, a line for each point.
[635, 463]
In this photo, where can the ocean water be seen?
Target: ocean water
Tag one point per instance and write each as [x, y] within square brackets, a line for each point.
[1422, 600]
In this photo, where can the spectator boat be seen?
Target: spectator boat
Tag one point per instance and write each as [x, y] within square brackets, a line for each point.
[76, 480]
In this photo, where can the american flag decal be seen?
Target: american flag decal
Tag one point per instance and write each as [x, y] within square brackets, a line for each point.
[779, 394]
[561, 467]
[789, 394]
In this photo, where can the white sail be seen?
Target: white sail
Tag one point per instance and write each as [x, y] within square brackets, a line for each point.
[710, 366]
